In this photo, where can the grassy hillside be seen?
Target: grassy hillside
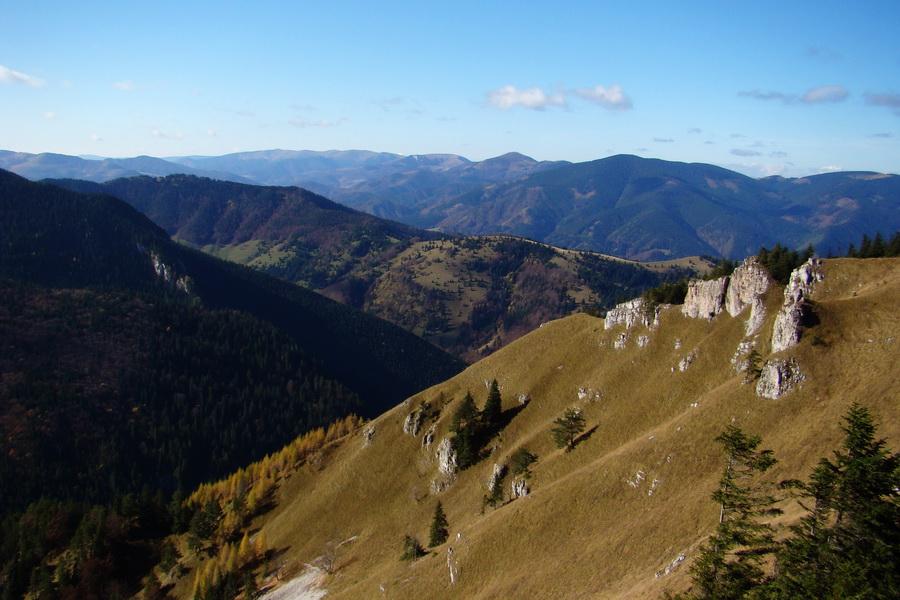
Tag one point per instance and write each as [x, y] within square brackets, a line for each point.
[606, 519]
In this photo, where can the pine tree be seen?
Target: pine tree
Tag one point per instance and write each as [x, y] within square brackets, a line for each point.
[439, 532]
[465, 424]
[729, 563]
[848, 544]
[465, 415]
[568, 427]
[493, 408]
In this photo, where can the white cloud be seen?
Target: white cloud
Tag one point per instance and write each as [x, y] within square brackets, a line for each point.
[211, 133]
[534, 98]
[509, 96]
[825, 93]
[830, 169]
[664, 140]
[49, 115]
[96, 138]
[14, 77]
[612, 97]
[743, 152]
[125, 86]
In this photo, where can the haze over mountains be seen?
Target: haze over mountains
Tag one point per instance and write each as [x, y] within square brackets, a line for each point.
[643, 209]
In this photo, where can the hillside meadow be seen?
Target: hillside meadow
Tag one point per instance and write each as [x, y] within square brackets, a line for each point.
[622, 514]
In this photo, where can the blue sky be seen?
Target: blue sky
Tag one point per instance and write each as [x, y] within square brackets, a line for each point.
[791, 88]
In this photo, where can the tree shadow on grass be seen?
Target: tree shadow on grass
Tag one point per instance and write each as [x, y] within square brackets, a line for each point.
[584, 436]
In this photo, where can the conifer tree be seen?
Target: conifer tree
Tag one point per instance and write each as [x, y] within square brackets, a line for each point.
[848, 544]
[465, 414]
[568, 427]
[465, 425]
[493, 408]
[438, 534]
[729, 563]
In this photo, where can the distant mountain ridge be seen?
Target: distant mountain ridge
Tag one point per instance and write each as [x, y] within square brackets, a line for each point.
[648, 209]
[641, 209]
[466, 295]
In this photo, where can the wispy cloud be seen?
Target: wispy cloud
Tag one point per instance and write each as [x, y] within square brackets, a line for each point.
[759, 95]
[818, 95]
[663, 140]
[824, 94]
[49, 115]
[612, 97]
[830, 169]
[534, 98]
[14, 77]
[125, 86]
[320, 123]
[891, 101]
[745, 152]
[778, 154]
[177, 135]
[883, 134]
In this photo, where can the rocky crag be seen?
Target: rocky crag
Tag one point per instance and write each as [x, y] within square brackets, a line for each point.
[742, 291]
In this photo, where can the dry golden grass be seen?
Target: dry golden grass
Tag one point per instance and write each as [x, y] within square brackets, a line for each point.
[592, 526]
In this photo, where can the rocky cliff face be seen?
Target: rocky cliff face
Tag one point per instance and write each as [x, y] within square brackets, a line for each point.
[634, 312]
[786, 332]
[778, 377]
[745, 288]
[705, 299]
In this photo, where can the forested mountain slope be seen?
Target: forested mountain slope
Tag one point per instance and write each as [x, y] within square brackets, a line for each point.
[162, 365]
[649, 209]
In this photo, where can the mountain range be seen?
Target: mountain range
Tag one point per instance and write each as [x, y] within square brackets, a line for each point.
[641, 209]
[129, 361]
[468, 295]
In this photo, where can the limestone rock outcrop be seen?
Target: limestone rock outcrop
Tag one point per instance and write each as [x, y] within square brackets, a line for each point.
[634, 312]
[705, 299]
[745, 288]
[447, 466]
[519, 488]
[446, 457]
[778, 377]
[497, 475]
[748, 282]
[786, 332]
